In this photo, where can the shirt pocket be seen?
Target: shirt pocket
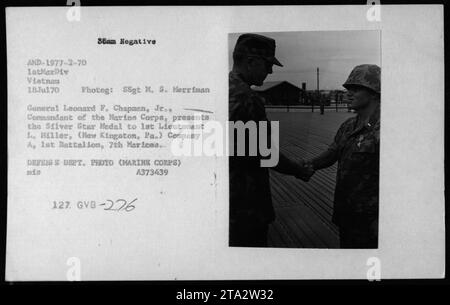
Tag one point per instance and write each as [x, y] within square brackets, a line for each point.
[364, 156]
[368, 146]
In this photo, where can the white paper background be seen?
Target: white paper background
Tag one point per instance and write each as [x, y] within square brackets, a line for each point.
[180, 228]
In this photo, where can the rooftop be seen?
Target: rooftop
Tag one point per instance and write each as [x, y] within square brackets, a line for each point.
[268, 85]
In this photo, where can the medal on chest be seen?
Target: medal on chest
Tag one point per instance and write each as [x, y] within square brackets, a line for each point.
[361, 137]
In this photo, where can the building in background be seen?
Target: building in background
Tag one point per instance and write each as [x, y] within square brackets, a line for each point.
[280, 93]
[284, 93]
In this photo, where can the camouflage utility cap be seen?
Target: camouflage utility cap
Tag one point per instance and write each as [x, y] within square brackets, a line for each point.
[367, 76]
[257, 45]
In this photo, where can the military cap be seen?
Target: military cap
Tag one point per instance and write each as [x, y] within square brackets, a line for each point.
[257, 45]
[366, 75]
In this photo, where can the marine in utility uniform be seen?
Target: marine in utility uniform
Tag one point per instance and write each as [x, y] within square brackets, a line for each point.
[356, 148]
[251, 209]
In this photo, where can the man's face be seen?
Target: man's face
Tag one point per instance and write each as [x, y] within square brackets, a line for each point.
[259, 68]
[359, 97]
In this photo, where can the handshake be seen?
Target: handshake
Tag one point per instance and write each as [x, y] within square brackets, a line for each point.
[305, 170]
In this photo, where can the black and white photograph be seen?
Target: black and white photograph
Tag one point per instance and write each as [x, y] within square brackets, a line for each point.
[324, 89]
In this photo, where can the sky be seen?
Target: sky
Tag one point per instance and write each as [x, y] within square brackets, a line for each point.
[335, 53]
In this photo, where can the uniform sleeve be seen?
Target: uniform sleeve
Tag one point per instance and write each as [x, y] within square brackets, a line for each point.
[245, 107]
[331, 155]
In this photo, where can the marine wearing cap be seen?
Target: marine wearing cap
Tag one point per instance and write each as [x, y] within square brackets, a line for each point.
[258, 46]
[251, 209]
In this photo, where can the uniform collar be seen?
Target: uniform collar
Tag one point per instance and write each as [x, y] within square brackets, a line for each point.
[238, 76]
[375, 117]
[373, 121]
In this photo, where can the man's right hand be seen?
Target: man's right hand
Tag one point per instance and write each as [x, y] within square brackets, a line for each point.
[305, 171]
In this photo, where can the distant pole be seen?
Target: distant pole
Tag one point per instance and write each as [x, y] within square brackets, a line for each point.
[317, 79]
[318, 92]
[303, 97]
[336, 101]
[319, 97]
